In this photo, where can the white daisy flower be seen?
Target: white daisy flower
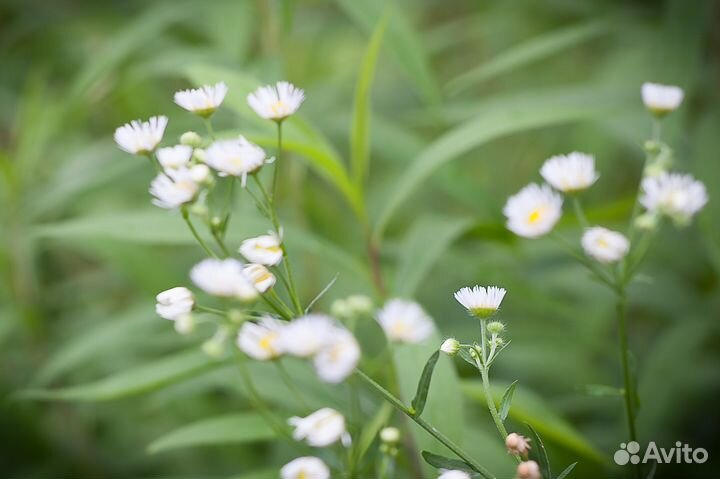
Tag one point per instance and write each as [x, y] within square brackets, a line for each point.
[174, 188]
[202, 101]
[263, 249]
[533, 211]
[308, 467]
[339, 358]
[141, 137]
[676, 195]
[570, 173]
[450, 346]
[260, 276]
[262, 340]
[480, 301]
[235, 157]
[405, 321]
[605, 245]
[528, 470]
[321, 428]
[453, 474]
[224, 278]
[661, 99]
[174, 157]
[309, 334]
[174, 302]
[276, 102]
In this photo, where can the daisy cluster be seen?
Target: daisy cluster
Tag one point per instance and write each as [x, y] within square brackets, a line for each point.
[536, 209]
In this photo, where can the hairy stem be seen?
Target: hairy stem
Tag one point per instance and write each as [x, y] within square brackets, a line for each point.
[629, 388]
[198, 238]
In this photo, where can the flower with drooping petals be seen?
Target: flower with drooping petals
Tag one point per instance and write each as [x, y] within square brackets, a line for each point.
[260, 276]
[202, 101]
[261, 340]
[235, 157]
[676, 195]
[528, 470]
[321, 428]
[517, 444]
[605, 245]
[224, 278]
[480, 301]
[141, 137]
[570, 173]
[276, 102]
[307, 467]
[338, 358]
[174, 157]
[661, 99]
[174, 302]
[533, 211]
[174, 188]
[405, 321]
[263, 249]
[307, 335]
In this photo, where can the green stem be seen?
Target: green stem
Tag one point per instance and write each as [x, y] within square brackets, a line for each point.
[276, 169]
[287, 379]
[205, 309]
[208, 125]
[198, 238]
[218, 239]
[447, 442]
[580, 213]
[629, 388]
[277, 308]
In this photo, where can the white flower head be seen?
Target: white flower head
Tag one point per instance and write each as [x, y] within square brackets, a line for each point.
[322, 428]
[605, 245]
[533, 211]
[174, 157]
[260, 276]
[570, 173]
[276, 102]
[202, 101]
[453, 474]
[235, 157]
[450, 346]
[390, 435]
[339, 358]
[661, 99]
[307, 467]
[517, 444]
[263, 249]
[261, 340]
[224, 278]
[480, 301]
[676, 195]
[174, 302]
[405, 321]
[174, 188]
[528, 470]
[308, 335]
[141, 137]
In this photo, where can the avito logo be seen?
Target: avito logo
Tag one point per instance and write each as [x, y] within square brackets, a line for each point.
[680, 454]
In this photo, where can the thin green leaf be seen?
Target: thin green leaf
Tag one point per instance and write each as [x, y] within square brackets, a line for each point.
[371, 429]
[321, 293]
[507, 401]
[360, 129]
[428, 239]
[495, 122]
[226, 429]
[538, 450]
[442, 462]
[464, 353]
[418, 402]
[143, 379]
[567, 471]
[527, 52]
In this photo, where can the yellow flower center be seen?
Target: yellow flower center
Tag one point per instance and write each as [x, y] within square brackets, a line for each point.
[535, 216]
[277, 108]
[266, 342]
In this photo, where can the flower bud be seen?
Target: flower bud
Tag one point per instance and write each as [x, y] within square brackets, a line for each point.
[495, 327]
[340, 309]
[199, 155]
[496, 342]
[199, 209]
[359, 304]
[517, 444]
[185, 324]
[215, 346]
[390, 435]
[235, 316]
[450, 346]
[190, 138]
[646, 221]
[215, 221]
[528, 470]
[201, 174]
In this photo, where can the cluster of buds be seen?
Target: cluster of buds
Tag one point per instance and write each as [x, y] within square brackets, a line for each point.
[389, 440]
[352, 307]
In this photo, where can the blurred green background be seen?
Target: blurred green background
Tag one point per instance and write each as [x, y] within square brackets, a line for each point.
[469, 98]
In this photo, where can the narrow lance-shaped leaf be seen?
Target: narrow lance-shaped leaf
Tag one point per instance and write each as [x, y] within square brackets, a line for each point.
[418, 403]
[567, 471]
[360, 130]
[507, 401]
[540, 452]
[442, 462]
